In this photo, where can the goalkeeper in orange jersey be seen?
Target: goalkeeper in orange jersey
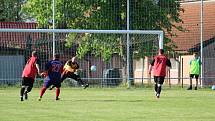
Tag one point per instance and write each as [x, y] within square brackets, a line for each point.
[69, 69]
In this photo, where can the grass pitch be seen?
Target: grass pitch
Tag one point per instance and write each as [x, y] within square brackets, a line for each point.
[110, 104]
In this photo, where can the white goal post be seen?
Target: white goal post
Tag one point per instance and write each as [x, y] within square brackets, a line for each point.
[158, 32]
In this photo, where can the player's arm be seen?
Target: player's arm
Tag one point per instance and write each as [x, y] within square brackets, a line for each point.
[190, 62]
[69, 62]
[38, 66]
[77, 67]
[151, 65]
[47, 68]
[200, 61]
[61, 69]
[169, 65]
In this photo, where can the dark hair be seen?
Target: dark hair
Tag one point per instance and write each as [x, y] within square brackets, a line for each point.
[161, 51]
[57, 56]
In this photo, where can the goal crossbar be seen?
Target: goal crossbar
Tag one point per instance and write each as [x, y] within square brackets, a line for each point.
[157, 32]
[83, 31]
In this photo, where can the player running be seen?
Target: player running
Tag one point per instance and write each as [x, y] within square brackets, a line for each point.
[159, 64]
[28, 75]
[69, 69]
[53, 70]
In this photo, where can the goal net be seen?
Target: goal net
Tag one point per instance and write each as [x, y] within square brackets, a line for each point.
[118, 55]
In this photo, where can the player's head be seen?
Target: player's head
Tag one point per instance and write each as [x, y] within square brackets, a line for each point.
[56, 56]
[195, 55]
[34, 53]
[74, 59]
[161, 51]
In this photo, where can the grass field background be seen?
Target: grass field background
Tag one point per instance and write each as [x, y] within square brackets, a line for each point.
[109, 104]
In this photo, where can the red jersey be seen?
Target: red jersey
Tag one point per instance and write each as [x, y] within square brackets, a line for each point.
[159, 65]
[30, 69]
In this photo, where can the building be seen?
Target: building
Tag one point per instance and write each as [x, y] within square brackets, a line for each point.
[188, 42]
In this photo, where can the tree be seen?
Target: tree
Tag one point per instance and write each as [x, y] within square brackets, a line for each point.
[106, 14]
[68, 13]
[10, 10]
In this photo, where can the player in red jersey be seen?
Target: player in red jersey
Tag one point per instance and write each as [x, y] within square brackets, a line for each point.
[28, 75]
[159, 64]
[53, 70]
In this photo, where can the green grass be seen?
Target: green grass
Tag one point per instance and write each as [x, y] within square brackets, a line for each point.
[110, 104]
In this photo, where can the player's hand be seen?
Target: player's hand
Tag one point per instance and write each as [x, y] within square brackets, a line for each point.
[44, 74]
[39, 73]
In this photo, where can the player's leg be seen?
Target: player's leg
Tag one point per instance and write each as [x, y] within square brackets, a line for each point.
[22, 90]
[197, 78]
[83, 83]
[52, 87]
[46, 84]
[160, 83]
[57, 93]
[63, 77]
[28, 87]
[190, 87]
[58, 85]
[23, 86]
[78, 79]
[156, 84]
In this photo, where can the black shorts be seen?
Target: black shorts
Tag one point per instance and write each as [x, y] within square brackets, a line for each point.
[196, 76]
[71, 75]
[159, 79]
[26, 81]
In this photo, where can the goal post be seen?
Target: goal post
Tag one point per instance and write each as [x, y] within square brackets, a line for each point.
[137, 38]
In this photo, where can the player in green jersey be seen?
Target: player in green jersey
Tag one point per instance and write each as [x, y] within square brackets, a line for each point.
[195, 65]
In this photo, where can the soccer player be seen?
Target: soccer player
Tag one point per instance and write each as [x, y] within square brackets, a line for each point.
[195, 64]
[28, 75]
[53, 70]
[159, 64]
[70, 67]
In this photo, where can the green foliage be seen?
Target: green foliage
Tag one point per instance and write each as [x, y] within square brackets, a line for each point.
[95, 44]
[40, 10]
[10, 10]
[106, 14]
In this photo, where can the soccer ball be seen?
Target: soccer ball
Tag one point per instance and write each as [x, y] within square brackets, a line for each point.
[213, 87]
[93, 68]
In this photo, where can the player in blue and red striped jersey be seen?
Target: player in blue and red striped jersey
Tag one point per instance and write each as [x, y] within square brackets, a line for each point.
[28, 75]
[159, 64]
[53, 70]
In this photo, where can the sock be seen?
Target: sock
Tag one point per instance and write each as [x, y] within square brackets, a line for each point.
[57, 92]
[159, 89]
[22, 91]
[156, 88]
[42, 91]
[29, 88]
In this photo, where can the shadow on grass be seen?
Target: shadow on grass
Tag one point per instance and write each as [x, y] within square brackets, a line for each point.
[106, 100]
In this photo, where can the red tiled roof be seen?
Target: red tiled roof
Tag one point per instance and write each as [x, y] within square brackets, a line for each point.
[18, 25]
[17, 39]
[191, 18]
